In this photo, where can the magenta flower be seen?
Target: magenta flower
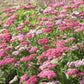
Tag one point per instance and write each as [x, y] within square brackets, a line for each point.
[24, 78]
[71, 72]
[19, 28]
[69, 40]
[80, 74]
[2, 53]
[44, 19]
[29, 35]
[33, 49]
[55, 82]
[47, 30]
[47, 64]
[62, 28]
[27, 58]
[25, 43]
[47, 73]
[26, 22]
[39, 32]
[7, 61]
[43, 41]
[17, 64]
[1, 22]
[33, 79]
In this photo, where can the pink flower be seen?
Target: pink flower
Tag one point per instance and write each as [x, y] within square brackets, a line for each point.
[25, 43]
[44, 19]
[64, 36]
[1, 22]
[29, 35]
[47, 30]
[59, 43]
[3, 45]
[80, 45]
[26, 22]
[47, 73]
[16, 53]
[21, 49]
[39, 32]
[27, 58]
[69, 20]
[79, 29]
[47, 64]
[43, 41]
[33, 79]
[45, 47]
[28, 48]
[33, 49]
[6, 10]
[71, 72]
[24, 78]
[7, 61]
[2, 53]
[62, 28]
[74, 48]
[79, 63]
[70, 64]
[55, 82]
[55, 53]
[19, 28]
[6, 26]
[80, 74]
[6, 37]
[69, 40]
[17, 64]
[58, 22]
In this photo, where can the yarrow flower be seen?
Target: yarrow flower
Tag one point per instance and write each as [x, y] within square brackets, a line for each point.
[69, 40]
[71, 72]
[19, 28]
[47, 64]
[39, 32]
[33, 79]
[47, 30]
[26, 22]
[55, 53]
[43, 41]
[1, 22]
[76, 63]
[29, 35]
[25, 43]
[24, 78]
[33, 49]
[80, 74]
[17, 64]
[27, 58]
[7, 61]
[55, 82]
[47, 73]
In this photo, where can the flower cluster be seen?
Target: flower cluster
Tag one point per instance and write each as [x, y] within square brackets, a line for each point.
[24, 78]
[71, 72]
[40, 45]
[33, 79]
[77, 63]
[47, 73]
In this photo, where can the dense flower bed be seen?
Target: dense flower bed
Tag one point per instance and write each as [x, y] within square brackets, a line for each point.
[42, 46]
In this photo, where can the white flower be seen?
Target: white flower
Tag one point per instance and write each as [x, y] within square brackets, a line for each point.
[54, 60]
[13, 80]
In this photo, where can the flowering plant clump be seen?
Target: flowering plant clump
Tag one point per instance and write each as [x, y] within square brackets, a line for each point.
[42, 45]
